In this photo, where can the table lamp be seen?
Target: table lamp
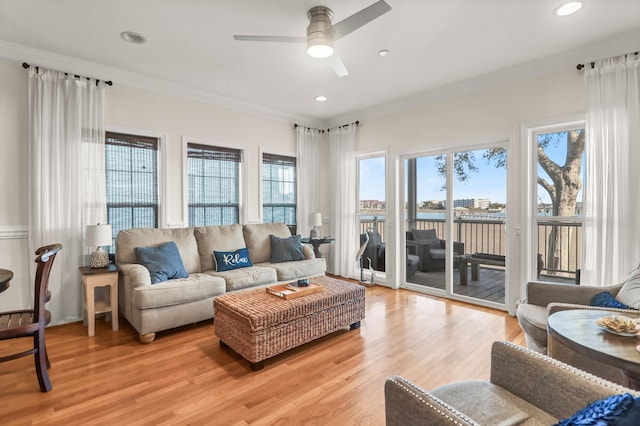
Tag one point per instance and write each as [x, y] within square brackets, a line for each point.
[315, 220]
[98, 236]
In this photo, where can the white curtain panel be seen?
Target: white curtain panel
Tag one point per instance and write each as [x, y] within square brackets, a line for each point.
[342, 161]
[611, 197]
[66, 177]
[308, 166]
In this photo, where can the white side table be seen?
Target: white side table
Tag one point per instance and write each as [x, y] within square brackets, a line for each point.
[100, 277]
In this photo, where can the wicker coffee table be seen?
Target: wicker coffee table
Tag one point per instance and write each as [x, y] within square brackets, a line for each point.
[258, 325]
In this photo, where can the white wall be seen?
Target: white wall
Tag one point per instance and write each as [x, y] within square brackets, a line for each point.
[490, 114]
[14, 254]
[130, 109]
[486, 114]
[178, 119]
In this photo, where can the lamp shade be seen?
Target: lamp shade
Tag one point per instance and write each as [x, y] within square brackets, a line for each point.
[315, 219]
[98, 235]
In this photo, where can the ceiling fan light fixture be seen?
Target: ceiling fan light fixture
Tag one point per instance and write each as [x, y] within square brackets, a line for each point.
[320, 48]
[320, 32]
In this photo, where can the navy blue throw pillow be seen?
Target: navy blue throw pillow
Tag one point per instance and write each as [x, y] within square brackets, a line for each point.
[228, 260]
[163, 262]
[286, 249]
[614, 410]
[606, 300]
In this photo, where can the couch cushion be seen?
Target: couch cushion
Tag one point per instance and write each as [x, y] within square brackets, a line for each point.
[286, 249]
[176, 292]
[424, 234]
[258, 240]
[289, 271]
[162, 261]
[228, 260]
[629, 294]
[217, 238]
[488, 404]
[129, 239]
[437, 253]
[533, 321]
[252, 276]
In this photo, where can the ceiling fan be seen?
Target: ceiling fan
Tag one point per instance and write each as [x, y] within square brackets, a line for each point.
[321, 33]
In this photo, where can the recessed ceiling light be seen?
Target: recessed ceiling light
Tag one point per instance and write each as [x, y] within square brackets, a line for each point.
[383, 52]
[132, 37]
[320, 98]
[568, 8]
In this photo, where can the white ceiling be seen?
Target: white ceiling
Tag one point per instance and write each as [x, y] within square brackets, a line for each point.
[436, 47]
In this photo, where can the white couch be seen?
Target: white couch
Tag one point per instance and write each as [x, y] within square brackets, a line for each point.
[155, 307]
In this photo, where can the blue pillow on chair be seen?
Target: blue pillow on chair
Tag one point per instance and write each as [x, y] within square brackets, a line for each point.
[228, 260]
[606, 300]
[163, 262]
[614, 410]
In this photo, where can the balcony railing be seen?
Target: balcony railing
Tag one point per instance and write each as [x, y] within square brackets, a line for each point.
[482, 235]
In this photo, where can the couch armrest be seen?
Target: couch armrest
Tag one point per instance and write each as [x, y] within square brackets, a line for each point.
[552, 308]
[543, 293]
[407, 404]
[135, 275]
[308, 252]
[548, 384]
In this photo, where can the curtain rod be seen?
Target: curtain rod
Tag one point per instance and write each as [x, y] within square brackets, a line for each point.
[296, 125]
[108, 83]
[357, 123]
[593, 64]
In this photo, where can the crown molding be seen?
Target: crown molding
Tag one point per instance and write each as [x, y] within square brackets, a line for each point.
[37, 57]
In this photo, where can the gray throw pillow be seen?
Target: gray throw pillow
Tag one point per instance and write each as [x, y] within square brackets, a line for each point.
[163, 262]
[286, 249]
[629, 294]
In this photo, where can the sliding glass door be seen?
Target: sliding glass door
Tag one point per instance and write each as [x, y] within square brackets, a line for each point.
[479, 214]
[455, 224]
[425, 224]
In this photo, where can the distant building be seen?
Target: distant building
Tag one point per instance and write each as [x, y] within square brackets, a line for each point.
[431, 205]
[472, 203]
[372, 205]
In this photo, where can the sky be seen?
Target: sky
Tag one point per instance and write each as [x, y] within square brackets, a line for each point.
[488, 182]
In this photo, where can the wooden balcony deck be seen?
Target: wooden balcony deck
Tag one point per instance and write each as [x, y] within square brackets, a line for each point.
[489, 287]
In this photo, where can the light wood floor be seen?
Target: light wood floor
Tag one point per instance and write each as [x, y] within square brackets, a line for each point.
[184, 377]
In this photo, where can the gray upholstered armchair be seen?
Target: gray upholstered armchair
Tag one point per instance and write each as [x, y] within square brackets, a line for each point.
[544, 298]
[525, 387]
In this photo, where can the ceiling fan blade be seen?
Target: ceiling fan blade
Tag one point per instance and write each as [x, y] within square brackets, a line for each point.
[275, 39]
[337, 65]
[359, 19]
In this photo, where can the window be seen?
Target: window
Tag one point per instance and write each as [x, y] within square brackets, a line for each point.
[131, 164]
[372, 209]
[279, 189]
[561, 172]
[214, 182]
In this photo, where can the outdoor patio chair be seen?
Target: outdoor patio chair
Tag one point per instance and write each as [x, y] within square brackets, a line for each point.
[430, 249]
[374, 250]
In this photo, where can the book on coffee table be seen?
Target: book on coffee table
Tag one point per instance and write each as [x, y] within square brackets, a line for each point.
[291, 291]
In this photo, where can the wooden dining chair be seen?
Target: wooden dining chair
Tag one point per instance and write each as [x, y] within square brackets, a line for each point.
[32, 322]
